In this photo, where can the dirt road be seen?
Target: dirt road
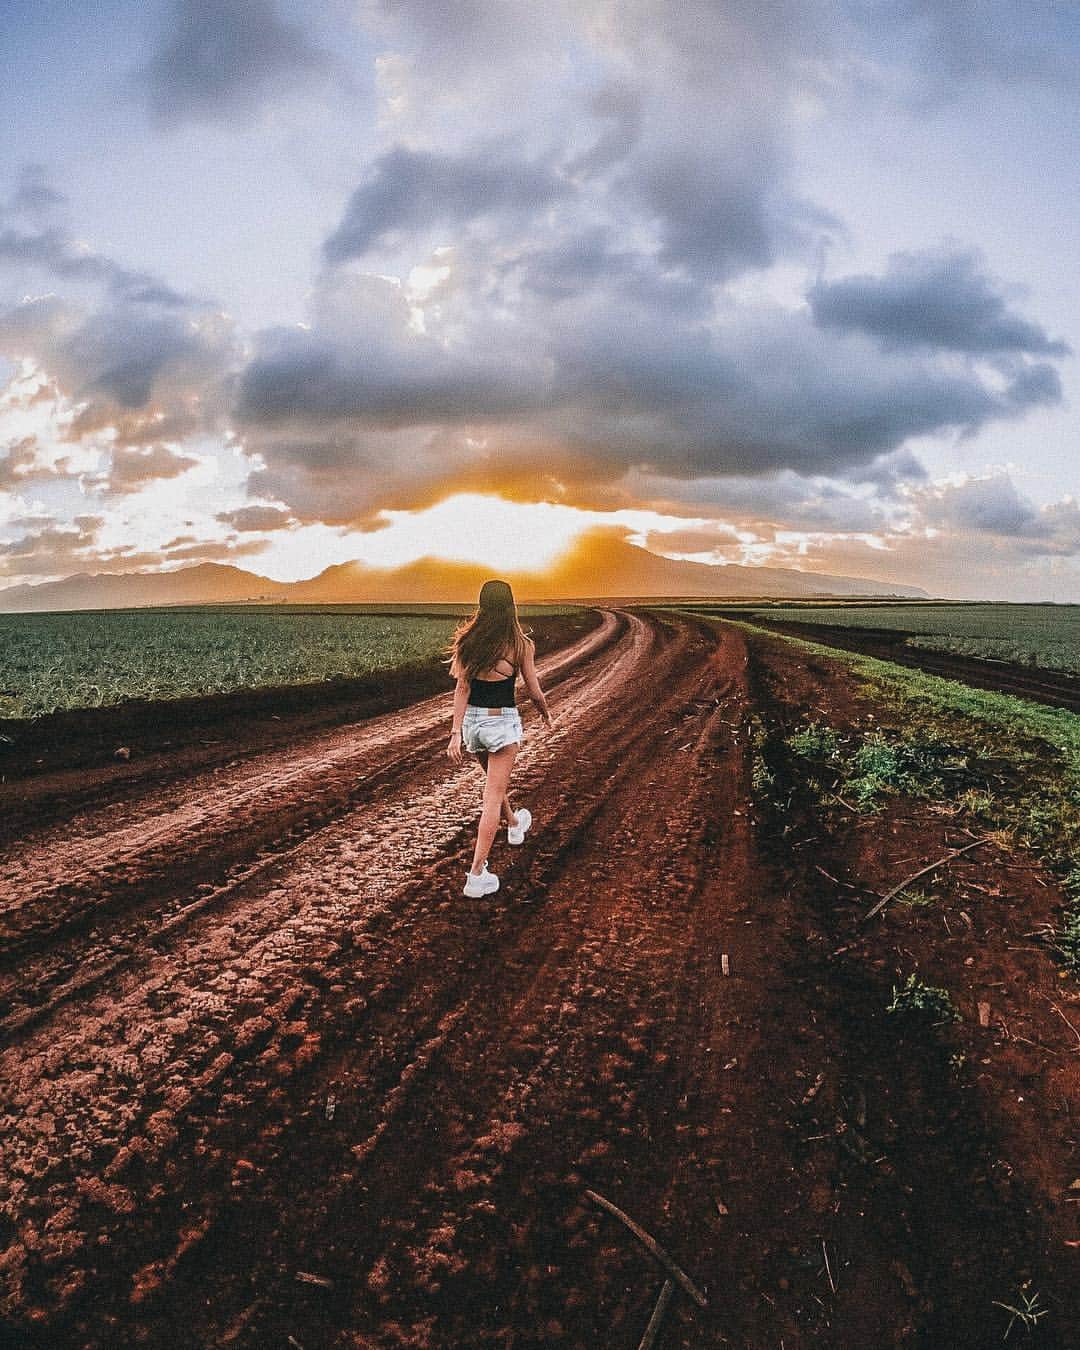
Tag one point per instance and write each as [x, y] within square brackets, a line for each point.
[270, 1079]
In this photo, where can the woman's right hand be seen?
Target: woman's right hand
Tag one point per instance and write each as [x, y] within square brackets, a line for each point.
[453, 750]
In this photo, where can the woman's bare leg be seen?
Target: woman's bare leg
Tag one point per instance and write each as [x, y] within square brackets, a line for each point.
[499, 764]
[506, 812]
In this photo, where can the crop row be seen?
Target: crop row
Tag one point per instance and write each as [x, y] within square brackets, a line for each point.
[1045, 636]
[56, 661]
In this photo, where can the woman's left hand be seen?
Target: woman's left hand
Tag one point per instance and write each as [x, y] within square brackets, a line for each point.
[453, 750]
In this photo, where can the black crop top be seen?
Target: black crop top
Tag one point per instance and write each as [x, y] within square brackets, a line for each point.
[493, 693]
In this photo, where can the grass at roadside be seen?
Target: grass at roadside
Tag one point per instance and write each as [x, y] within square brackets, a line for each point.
[1003, 764]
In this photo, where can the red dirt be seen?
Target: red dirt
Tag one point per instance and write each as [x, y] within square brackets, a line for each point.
[269, 1074]
[52, 765]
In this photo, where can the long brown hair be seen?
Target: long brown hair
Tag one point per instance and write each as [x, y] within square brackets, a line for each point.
[491, 632]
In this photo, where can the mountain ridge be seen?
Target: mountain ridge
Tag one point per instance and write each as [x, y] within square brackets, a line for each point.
[600, 563]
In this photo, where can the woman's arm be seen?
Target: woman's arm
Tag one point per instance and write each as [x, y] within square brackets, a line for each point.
[461, 697]
[532, 683]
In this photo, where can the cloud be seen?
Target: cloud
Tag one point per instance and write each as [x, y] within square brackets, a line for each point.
[21, 461]
[131, 468]
[991, 505]
[225, 59]
[580, 328]
[509, 375]
[34, 196]
[934, 50]
[706, 539]
[552, 279]
[54, 250]
[50, 546]
[938, 298]
[409, 191]
[246, 518]
[215, 550]
[139, 358]
[144, 369]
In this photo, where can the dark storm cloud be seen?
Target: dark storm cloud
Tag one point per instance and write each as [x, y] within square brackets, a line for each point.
[935, 298]
[408, 191]
[609, 373]
[592, 261]
[301, 379]
[224, 58]
[712, 214]
[582, 330]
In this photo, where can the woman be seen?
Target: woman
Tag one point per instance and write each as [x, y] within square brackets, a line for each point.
[486, 653]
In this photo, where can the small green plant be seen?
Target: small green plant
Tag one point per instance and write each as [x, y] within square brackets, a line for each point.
[878, 767]
[1026, 1310]
[1067, 940]
[918, 1001]
[815, 741]
[762, 778]
[976, 803]
[916, 897]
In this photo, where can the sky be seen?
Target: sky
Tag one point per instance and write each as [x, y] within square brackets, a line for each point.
[286, 284]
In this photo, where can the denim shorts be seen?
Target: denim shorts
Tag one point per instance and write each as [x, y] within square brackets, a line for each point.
[481, 731]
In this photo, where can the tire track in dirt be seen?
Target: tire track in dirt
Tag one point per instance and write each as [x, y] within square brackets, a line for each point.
[339, 1102]
[194, 1012]
[91, 882]
[131, 844]
[439, 1018]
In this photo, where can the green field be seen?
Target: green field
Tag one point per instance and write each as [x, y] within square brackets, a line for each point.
[50, 662]
[1047, 636]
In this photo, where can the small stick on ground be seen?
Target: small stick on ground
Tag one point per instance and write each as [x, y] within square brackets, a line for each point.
[306, 1277]
[653, 1329]
[1063, 1017]
[931, 867]
[828, 1268]
[651, 1245]
[835, 880]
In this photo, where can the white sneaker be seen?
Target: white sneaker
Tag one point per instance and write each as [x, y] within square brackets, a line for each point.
[515, 834]
[481, 883]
